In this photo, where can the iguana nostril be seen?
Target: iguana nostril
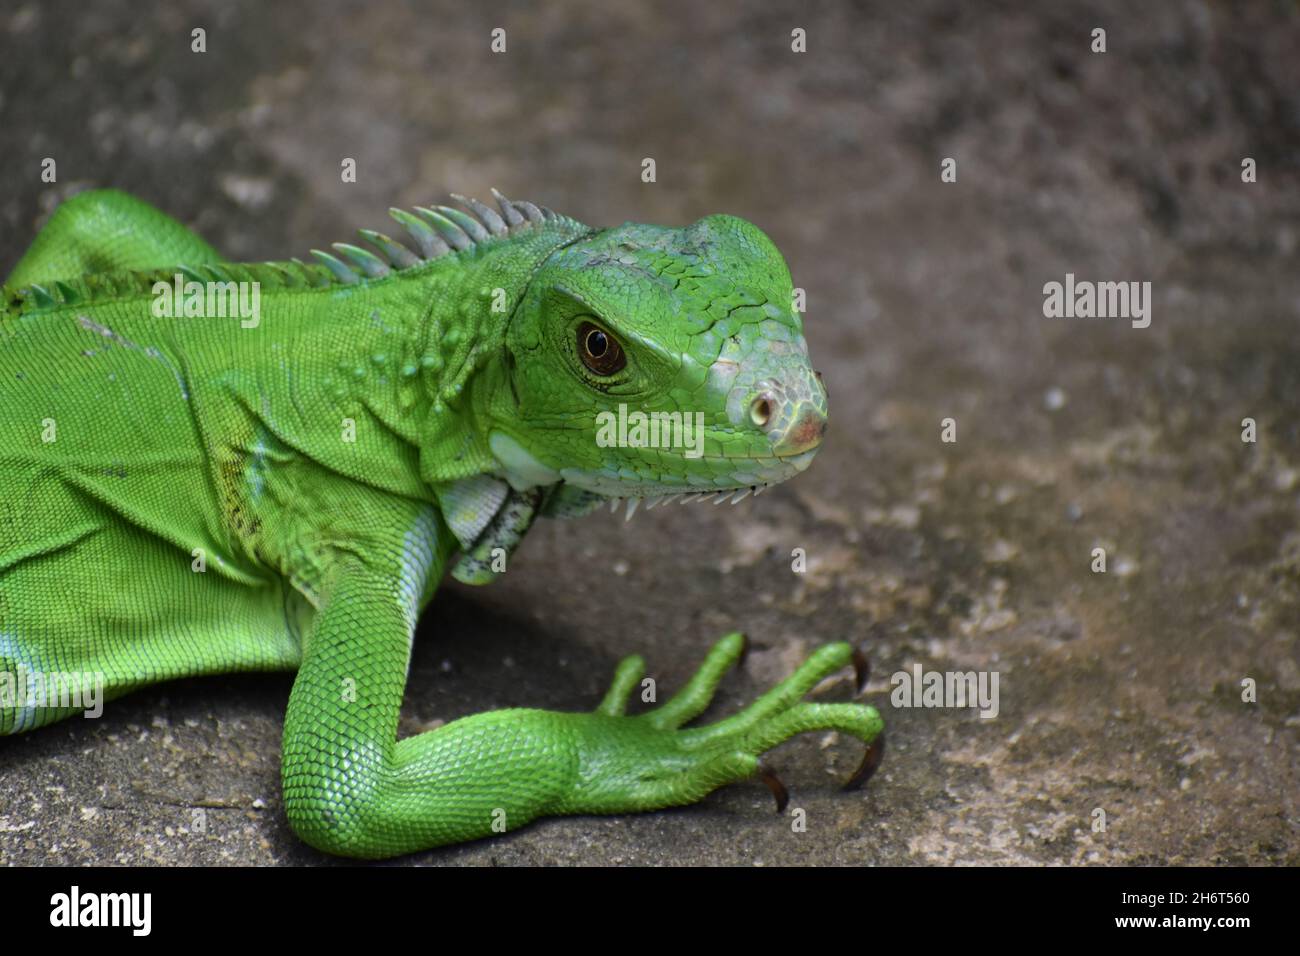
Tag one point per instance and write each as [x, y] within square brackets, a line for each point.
[760, 411]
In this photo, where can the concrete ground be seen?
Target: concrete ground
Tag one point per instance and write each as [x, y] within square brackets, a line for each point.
[1119, 692]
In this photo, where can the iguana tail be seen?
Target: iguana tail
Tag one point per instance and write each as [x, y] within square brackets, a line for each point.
[104, 230]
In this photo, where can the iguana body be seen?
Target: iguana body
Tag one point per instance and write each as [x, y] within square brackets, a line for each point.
[197, 495]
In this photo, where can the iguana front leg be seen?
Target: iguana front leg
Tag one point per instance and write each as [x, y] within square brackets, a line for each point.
[350, 787]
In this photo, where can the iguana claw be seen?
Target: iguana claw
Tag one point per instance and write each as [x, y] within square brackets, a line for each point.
[870, 762]
[773, 782]
[861, 670]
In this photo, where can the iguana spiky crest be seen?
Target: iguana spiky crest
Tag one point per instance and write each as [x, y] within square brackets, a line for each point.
[436, 232]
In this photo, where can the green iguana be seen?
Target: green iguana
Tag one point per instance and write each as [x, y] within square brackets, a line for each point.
[195, 488]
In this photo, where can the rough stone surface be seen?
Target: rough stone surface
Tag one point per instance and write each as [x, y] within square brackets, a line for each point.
[1119, 691]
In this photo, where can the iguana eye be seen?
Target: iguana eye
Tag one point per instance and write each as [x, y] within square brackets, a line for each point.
[599, 350]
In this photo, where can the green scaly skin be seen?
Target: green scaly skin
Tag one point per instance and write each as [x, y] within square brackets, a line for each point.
[200, 508]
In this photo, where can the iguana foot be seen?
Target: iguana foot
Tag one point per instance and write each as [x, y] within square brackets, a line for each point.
[650, 761]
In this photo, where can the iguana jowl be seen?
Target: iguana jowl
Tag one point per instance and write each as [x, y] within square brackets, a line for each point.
[198, 494]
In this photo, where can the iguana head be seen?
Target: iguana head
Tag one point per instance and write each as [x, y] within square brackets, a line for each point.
[645, 361]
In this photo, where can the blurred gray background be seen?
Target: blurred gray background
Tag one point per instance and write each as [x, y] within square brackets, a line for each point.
[1119, 691]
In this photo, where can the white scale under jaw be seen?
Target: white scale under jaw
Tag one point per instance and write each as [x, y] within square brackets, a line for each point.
[731, 494]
